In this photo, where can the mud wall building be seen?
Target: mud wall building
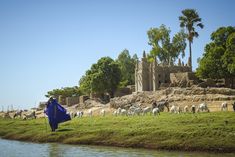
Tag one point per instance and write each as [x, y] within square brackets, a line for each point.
[151, 76]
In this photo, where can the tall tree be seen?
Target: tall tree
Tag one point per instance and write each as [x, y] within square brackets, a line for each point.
[165, 49]
[127, 67]
[103, 77]
[218, 60]
[189, 20]
[229, 54]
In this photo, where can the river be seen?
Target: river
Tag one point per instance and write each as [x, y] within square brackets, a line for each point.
[9, 148]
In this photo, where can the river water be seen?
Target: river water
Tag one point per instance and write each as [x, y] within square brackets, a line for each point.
[10, 148]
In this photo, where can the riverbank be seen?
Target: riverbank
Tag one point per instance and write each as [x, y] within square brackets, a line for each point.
[201, 132]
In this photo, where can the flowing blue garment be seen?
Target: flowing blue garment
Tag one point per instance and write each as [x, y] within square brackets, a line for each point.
[56, 114]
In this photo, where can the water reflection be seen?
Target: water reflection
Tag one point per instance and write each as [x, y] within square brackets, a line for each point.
[24, 149]
[54, 150]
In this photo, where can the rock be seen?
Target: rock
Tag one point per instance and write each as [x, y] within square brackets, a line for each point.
[193, 93]
[207, 83]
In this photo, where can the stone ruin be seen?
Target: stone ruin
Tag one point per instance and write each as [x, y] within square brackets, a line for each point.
[70, 101]
[183, 79]
[153, 76]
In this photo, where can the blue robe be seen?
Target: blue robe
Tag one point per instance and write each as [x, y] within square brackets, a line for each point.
[56, 114]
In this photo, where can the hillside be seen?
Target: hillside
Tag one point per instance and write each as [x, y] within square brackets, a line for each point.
[179, 96]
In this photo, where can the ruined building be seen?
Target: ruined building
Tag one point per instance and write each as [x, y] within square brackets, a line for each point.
[151, 76]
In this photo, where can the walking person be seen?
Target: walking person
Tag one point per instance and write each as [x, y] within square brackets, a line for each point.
[56, 113]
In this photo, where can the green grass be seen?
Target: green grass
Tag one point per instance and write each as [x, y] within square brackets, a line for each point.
[202, 132]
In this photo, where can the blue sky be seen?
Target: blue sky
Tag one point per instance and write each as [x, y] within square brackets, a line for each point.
[50, 44]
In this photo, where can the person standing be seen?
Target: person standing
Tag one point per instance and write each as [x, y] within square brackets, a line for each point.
[56, 113]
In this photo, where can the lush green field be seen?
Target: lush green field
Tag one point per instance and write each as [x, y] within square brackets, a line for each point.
[204, 131]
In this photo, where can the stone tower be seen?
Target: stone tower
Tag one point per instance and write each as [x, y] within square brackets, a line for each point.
[151, 76]
[142, 74]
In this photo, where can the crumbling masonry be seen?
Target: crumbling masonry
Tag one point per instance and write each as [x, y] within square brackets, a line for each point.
[151, 76]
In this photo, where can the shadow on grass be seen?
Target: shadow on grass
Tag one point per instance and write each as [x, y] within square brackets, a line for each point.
[63, 130]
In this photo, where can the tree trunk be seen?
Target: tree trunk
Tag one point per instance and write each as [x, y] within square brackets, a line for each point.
[169, 60]
[190, 53]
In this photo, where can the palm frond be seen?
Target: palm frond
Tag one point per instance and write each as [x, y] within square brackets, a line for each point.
[200, 25]
[196, 34]
[196, 19]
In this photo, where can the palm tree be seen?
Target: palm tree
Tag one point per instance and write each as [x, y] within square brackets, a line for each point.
[189, 20]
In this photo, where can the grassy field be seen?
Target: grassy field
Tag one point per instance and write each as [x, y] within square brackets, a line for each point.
[200, 132]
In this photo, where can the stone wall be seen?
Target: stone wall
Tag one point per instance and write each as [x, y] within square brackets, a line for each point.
[162, 73]
[83, 98]
[183, 79]
[95, 95]
[176, 95]
[152, 76]
[230, 83]
[72, 101]
[131, 87]
[122, 91]
[61, 100]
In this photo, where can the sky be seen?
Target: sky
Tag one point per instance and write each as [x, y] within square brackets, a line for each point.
[50, 44]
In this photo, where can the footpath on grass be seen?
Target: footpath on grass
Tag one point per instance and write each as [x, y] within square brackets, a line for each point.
[185, 132]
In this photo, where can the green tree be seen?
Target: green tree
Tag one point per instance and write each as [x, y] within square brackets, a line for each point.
[229, 55]
[218, 60]
[162, 46]
[103, 77]
[85, 83]
[65, 92]
[211, 65]
[127, 66]
[189, 20]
